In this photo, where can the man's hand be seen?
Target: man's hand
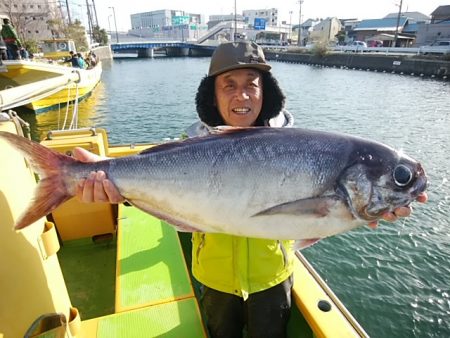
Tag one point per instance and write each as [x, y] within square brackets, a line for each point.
[400, 212]
[96, 187]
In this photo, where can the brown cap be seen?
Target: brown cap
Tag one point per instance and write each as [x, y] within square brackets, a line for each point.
[236, 55]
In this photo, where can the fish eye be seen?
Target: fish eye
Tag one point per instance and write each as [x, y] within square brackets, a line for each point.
[402, 175]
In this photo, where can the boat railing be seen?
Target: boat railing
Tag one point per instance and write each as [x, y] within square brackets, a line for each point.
[24, 94]
[325, 305]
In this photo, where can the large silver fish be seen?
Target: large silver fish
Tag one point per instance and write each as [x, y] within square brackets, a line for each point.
[256, 182]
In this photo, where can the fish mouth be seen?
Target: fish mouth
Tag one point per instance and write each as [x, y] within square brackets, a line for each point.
[421, 186]
[368, 216]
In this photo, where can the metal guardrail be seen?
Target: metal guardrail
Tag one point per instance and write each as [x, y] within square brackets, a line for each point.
[384, 50]
[160, 44]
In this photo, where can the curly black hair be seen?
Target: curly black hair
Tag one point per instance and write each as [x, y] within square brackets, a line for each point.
[273, 101]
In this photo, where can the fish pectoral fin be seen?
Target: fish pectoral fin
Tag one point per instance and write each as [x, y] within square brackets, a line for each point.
[177, 223]
[319, 206]
[304, 243]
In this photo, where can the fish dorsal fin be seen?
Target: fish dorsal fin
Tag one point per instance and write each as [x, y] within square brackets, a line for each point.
[212, 134]
[319, 206]
[202, 129]
[228, 129]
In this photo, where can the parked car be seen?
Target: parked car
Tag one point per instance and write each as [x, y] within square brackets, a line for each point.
[360, 44]
[438, 47]
[375, 43]
[355, 46]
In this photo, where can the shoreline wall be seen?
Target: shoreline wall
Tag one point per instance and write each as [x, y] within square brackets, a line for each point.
[400, 64]
[103, 52]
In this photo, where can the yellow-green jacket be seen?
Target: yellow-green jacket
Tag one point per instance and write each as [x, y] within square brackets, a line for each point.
[240, 265]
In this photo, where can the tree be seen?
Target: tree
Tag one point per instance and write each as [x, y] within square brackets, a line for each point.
[77, 33]
[57, 27]
[37, 20]
[74, 31]
[31, 45]
[340, 36]
[100, 36]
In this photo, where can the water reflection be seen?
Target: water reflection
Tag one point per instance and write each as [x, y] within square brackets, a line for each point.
[64, 117]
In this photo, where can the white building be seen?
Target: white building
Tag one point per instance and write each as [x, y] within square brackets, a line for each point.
[167, 24]
[269, 15]
[226, 17]
[325, 31]
[30, 18]
[163, 18]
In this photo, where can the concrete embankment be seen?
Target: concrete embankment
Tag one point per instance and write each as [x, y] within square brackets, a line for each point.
[103, 52]
[401, 64]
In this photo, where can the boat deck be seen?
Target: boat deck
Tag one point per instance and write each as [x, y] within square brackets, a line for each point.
[89, 269]
[150, 263]
[154, 292]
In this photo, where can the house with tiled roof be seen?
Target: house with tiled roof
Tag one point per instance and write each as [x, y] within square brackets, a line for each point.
[384, 30]
[440, 14]
[437, 30]
[413, 17]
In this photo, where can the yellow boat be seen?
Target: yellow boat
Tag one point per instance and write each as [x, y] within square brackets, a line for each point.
[42, 86]
[57, 49]
[99, 270]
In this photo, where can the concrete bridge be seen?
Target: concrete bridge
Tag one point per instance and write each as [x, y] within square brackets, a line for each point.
[146, 49]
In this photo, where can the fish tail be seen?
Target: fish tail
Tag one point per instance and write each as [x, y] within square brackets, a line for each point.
[51, 190]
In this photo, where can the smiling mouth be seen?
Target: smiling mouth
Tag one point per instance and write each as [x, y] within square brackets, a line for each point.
[241, 111]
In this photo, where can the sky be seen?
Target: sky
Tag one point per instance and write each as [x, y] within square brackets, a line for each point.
[343, 9]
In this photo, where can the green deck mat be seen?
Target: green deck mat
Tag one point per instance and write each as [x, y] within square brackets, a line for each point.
[174, 319]
[89, 271]
[151, 267]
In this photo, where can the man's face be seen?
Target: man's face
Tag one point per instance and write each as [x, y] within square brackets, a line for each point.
[239, 96]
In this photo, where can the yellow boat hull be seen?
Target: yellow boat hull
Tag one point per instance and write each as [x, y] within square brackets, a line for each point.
[21, 73]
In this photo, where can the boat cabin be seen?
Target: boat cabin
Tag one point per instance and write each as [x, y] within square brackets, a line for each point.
[56, 49]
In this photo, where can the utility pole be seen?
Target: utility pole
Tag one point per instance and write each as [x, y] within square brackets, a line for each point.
[290, 27]
[91, 26]
[235, 22]
[109, 26]
[95, 14]
[299, 42]
[68, 12]
[398, 23]
[115, 23]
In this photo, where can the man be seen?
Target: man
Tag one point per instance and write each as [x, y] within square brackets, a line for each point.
[3, 50]
[246, 282]
[73, 59]
[24, 53]
[11, 40]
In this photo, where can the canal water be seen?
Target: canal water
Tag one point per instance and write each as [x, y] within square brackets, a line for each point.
[395, 280]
